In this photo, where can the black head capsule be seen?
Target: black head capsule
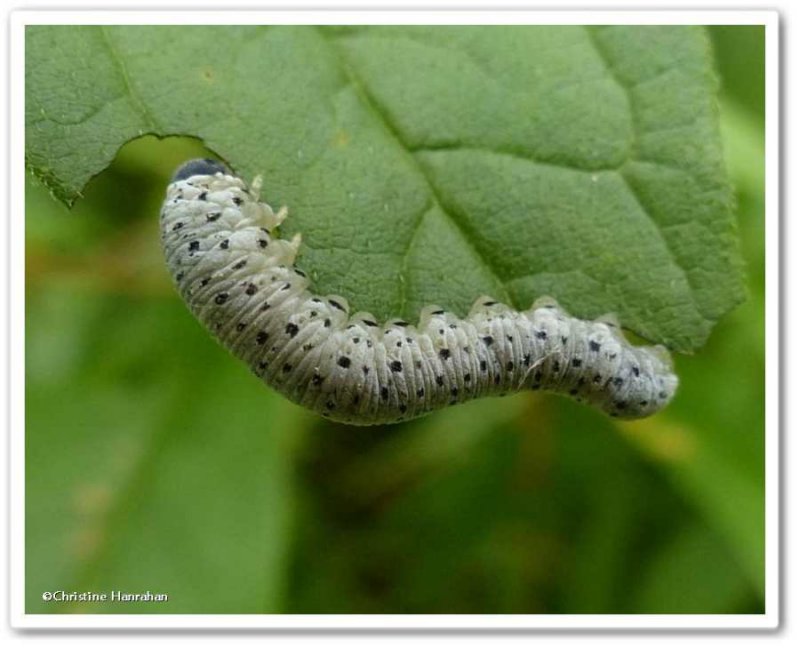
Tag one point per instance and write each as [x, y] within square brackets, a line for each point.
[199, 167]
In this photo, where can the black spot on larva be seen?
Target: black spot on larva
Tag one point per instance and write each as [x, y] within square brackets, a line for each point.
[356, 399]
[541, 335]
[573, 391]
[365, 369]
[299, 272]
[262, 243]
[643, 403]
[577, 362]
[327, 322]
[251, 289]
[313, 314]
[265, 306]
[556, 366]
[409, 340]
[237, 201]
[487, 340]
[538, 375]
[396, 366]
[489, 303]
[510, 339]
[356, 340]
[497, 379]
[370, 323]
[400, 323]
[402, 407]
[594, 345]
[483, 366]
[287, 368]
[286, 286]
[316, 300]
[662, 395]
[421, 392]
[526, 360]
[563, 340]
[240, 264]
[384, 393]
[343, 362]
[439, 380]
[444, 354]
[177, 226]
[635, 370]
[330, 405]
[452, 326]
[316, 379]
[213, 216]
[308, 347]
[240, 326]
[612, 356]
[262, 337]
[194, 246]
[454, 391]
[618, 381]
[620, 405]
[225, 244]
[336, 305]
[262, 365]
[292, 329]
[179, 276]
[509, 366]
[399, 343]
[597, 378]
[467, 378]
[441, 332]
[205, 281]
[439, 312]
[203, 196]
[221, 298]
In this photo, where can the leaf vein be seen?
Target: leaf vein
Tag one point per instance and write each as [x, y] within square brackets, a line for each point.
[135, 99]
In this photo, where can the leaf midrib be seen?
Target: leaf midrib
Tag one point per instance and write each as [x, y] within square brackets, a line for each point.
[436, 201]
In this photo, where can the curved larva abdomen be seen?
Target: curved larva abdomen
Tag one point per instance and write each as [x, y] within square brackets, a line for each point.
[241, 282]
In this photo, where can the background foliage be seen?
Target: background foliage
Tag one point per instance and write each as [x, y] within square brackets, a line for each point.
[154, 461]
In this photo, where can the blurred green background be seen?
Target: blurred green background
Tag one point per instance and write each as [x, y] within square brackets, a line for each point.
[154, 461]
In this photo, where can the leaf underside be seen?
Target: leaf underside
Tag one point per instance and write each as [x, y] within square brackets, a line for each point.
[432, 164]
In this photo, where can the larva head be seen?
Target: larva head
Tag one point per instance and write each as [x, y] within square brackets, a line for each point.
[199, 167]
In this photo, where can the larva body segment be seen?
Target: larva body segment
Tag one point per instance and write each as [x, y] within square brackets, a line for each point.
[239, 279]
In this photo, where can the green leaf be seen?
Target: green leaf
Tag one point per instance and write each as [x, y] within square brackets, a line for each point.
[433, 164]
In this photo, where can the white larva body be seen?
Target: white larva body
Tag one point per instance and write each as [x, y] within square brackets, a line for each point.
[240, 281]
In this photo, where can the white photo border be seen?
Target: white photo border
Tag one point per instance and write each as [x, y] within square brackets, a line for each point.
[22, 620]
